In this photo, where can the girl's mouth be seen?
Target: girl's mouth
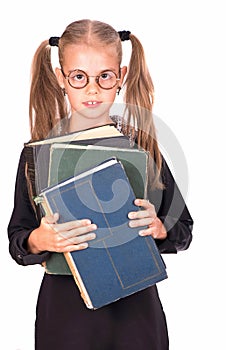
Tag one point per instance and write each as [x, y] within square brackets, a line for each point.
[91, 104]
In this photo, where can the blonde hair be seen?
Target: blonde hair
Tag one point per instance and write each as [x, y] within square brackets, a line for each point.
[47, 102]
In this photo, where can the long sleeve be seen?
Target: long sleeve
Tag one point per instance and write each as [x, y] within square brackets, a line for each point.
[173, 212]
[23, 221]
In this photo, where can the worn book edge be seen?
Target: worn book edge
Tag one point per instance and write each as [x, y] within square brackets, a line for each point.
[108, 130]
[78, 280]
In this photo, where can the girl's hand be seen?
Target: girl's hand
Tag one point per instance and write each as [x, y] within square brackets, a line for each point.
[147, 217]
[60, 238]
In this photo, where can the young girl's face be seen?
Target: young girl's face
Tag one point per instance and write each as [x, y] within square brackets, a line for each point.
[90, 105]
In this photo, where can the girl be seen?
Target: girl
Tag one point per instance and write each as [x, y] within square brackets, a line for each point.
[86, 83]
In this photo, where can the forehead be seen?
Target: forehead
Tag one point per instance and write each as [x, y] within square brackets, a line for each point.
[90, 58]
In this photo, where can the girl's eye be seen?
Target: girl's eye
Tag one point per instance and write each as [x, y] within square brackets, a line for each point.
[104, 76]
[107, 75]
[78, 77]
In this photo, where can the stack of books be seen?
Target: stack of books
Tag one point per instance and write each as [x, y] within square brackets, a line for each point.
[95, 174]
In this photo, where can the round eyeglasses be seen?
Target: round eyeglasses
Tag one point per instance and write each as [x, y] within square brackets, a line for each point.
[78, 79]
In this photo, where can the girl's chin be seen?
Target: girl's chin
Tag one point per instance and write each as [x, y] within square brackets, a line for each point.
[94, 113]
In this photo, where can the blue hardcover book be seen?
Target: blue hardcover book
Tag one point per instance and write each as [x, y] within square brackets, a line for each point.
[118, 262]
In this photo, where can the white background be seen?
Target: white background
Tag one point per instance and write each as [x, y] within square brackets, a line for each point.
[184, 43]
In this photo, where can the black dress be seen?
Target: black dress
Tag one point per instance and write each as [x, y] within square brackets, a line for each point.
[63, 322]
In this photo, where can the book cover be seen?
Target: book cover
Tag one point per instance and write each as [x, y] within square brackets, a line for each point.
[68, 160]
[118, 262]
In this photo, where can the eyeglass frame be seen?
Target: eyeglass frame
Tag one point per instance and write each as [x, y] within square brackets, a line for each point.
[67, 77]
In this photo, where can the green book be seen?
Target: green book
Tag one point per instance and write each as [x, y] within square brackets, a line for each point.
[67, 160]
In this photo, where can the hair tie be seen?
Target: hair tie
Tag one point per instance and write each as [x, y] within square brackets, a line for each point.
[124, 35]
[54, 40]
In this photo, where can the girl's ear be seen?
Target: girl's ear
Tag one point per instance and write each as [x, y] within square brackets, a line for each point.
[60, 77]
[123, 73]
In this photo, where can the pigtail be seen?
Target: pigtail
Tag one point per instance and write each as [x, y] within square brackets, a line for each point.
[139, 99]
[47, 103]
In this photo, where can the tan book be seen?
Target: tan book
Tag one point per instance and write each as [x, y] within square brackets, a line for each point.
[37, 152]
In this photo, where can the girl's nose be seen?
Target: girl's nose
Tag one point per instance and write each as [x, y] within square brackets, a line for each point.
[92, 86]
